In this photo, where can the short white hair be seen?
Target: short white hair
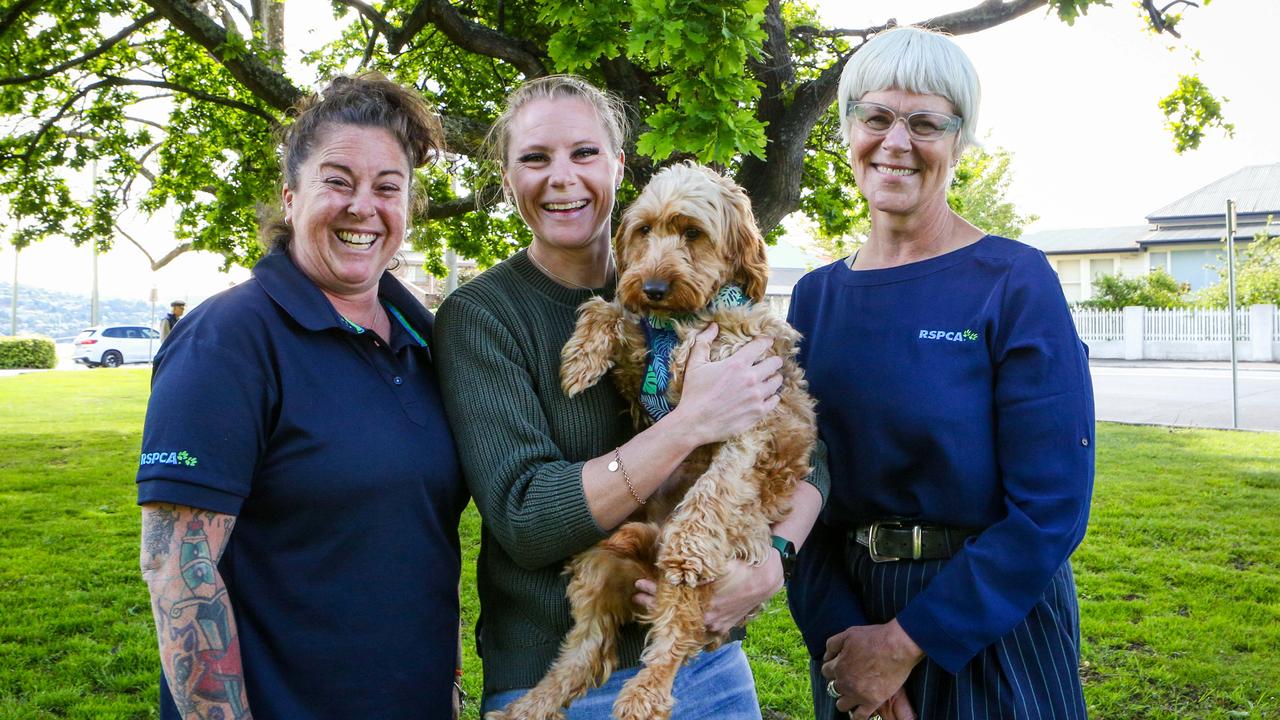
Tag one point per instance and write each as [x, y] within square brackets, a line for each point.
[917, 60]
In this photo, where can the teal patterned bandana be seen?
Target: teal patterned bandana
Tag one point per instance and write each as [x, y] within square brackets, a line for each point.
[660, 338]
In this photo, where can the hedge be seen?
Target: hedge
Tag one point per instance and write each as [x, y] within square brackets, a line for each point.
[27, 352]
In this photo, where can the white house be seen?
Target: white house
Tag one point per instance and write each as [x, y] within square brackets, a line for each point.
[1184, 237]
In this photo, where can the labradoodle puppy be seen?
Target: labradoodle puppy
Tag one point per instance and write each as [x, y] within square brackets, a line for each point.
[688, 254]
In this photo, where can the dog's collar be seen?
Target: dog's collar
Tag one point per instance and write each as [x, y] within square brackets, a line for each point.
[660, 340]
[731, 295]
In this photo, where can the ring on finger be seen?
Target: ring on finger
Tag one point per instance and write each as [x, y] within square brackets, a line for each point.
[831, 690]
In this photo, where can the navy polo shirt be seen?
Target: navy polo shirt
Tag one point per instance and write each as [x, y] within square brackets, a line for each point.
[331, 448]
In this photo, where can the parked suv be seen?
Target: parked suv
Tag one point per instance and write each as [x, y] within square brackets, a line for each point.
[114, 345]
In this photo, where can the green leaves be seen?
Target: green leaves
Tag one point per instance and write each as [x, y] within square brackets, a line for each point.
[1257, 273]
[978, 192]
[1069, 10]
[1156, 289]
[111, 84]
[1191, 109]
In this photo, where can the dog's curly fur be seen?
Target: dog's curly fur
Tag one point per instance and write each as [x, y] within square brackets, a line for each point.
[693, 229]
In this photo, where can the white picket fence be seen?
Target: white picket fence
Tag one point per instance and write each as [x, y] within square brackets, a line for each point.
[1180, 334]
[1193, 324]
[1099, 325]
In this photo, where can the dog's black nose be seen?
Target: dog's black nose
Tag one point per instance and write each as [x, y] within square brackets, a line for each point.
[656, 289]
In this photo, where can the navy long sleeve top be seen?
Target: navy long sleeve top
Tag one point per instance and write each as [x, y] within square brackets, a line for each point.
[954, 391]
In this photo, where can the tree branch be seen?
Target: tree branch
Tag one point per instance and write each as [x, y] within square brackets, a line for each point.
[468, 35]
[268, 84]
[367, 12]
[461, 206]
[464, 135]
[12, 12]
[105, 46]
[136, 244]
[1159, 22]
[155, 264]
[197, 94]
[864, 33]
[982, 16]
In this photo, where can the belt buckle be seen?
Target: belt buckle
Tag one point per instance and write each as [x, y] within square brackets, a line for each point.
[916, 541]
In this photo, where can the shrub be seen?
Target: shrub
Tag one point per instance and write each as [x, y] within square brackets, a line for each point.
[1257, 275]
[27, 352]
[1156, 289]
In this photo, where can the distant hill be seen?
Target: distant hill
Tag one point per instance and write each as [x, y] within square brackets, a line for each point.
[60, 315]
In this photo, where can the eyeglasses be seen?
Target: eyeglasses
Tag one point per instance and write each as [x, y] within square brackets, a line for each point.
[878, 119]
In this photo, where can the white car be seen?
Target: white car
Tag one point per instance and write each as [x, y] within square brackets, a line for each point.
[115, 345]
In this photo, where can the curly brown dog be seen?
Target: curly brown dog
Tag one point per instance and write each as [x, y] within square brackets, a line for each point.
[686, 249]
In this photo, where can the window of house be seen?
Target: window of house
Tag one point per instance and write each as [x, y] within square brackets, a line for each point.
[1196, 268]
[1069, 276]
[1098, 268]
[1159, 260]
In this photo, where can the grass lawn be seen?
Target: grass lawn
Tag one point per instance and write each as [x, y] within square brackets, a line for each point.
[1179, 575]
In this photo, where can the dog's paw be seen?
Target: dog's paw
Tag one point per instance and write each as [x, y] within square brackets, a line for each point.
[527, 707]
[580, 372]
[639, 702]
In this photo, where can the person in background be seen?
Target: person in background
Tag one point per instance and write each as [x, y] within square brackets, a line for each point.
[299, 485]
[955, 402]
[176, 308]
[546, 470]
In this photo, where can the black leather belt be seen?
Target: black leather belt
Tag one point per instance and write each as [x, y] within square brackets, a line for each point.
[890, 540]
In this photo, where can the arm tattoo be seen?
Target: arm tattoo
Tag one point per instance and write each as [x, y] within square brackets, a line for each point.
[157, 530]
[199, 645]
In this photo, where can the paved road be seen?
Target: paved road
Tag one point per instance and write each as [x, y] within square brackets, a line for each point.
[1194, 394]
[1189, 394]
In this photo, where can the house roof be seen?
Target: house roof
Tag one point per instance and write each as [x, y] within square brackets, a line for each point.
[1205, 233]
[1088, 240]
[1256, 190]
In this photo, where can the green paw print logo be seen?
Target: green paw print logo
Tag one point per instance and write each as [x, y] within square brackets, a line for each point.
[187, 459]
[970, 335]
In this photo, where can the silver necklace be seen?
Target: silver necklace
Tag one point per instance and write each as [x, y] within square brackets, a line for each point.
[608, 270]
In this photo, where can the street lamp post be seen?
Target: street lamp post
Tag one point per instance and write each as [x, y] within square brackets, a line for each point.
[1231, 309]
[13, 308]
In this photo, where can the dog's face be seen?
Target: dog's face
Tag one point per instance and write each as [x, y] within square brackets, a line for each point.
[688, 234]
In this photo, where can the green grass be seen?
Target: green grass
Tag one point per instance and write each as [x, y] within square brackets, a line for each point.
[1179, 576]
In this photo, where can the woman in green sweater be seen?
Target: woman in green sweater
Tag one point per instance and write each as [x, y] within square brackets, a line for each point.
[537, 462]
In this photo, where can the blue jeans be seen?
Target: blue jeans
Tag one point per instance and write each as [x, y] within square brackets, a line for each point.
[713, 686]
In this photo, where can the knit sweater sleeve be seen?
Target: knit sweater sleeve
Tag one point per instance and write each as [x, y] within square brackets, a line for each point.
[530, 496]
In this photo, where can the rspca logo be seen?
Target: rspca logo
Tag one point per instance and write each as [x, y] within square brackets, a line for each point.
[949, 335]
[182, 457]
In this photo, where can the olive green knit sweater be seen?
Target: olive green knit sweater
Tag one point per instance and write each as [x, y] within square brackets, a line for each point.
[522, 444]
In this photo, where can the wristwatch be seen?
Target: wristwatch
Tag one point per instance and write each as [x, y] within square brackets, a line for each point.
[787, 550]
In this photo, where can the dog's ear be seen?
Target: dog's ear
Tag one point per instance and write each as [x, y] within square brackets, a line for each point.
[620, 237]
[746, 245]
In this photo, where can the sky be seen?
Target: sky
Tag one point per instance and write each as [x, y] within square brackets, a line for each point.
[1076, 106]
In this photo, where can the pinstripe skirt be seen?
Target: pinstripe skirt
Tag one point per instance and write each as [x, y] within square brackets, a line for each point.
[1031, 673]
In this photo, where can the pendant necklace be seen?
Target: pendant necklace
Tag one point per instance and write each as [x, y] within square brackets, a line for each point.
[529, 253]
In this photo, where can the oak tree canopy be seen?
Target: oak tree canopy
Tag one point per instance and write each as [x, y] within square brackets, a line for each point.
[175, 102]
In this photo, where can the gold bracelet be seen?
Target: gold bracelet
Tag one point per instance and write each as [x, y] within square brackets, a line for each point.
[615, 465]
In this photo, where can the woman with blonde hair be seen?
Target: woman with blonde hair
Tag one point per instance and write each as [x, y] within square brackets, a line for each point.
[552, 476]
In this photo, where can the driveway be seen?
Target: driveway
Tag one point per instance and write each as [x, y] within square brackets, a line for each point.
[1192, 394]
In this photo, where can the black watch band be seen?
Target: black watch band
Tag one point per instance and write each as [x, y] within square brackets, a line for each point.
[787, 551]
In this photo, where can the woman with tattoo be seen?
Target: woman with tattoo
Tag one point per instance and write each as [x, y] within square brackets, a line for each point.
[299, 486]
